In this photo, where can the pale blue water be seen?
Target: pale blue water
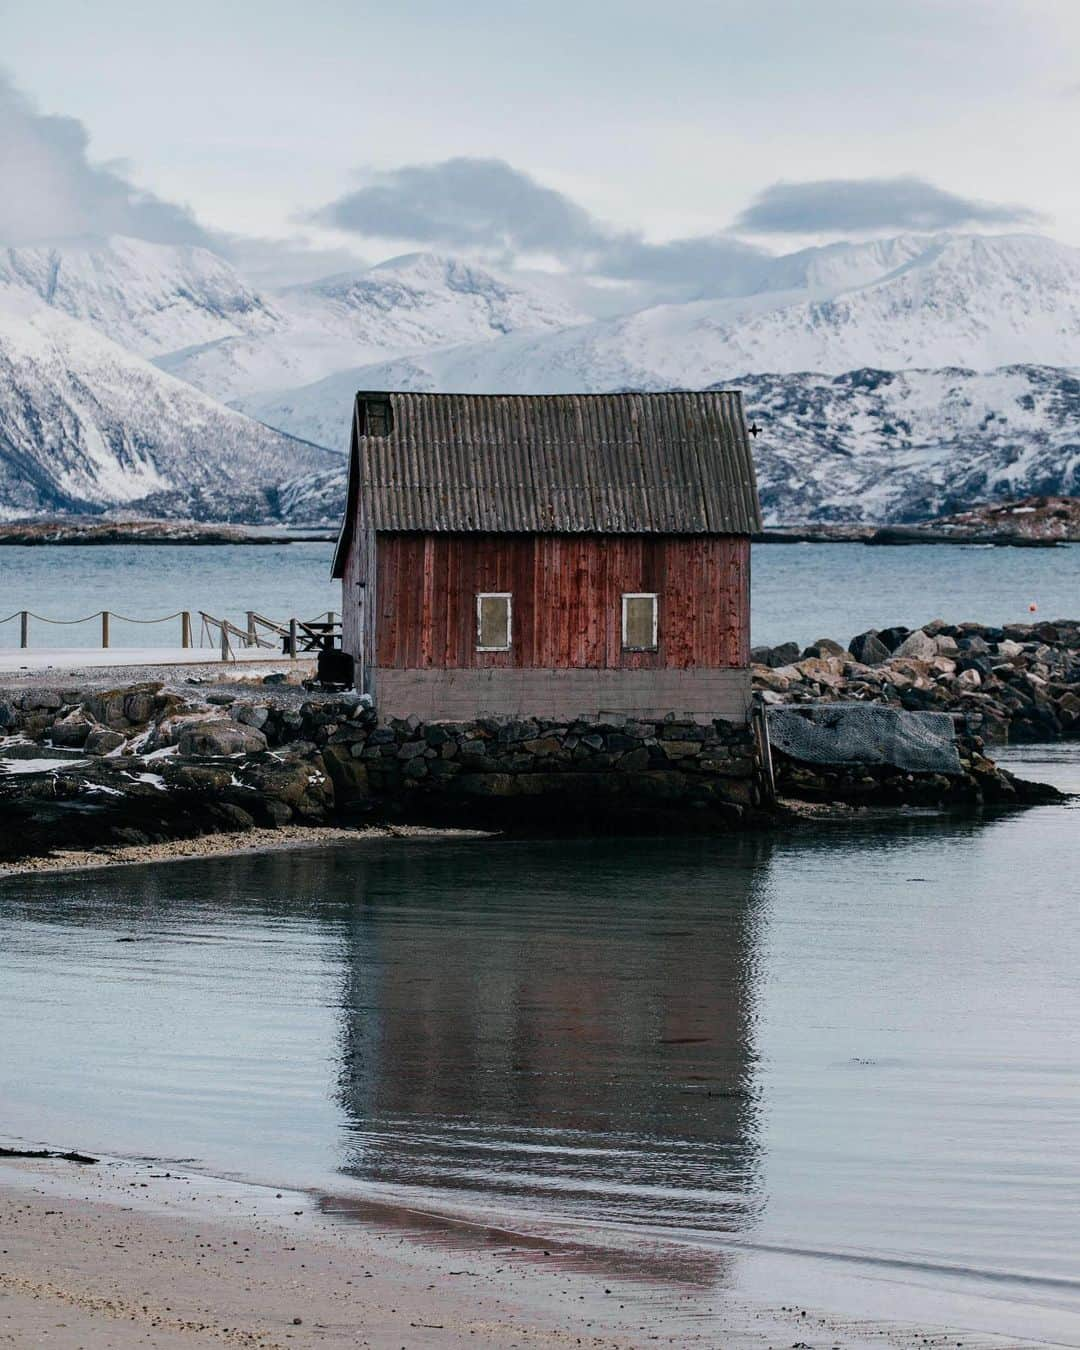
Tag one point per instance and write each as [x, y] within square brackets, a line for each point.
[800, 592]
[854, 1042]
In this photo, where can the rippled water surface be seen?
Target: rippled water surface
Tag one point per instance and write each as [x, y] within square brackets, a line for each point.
[860, 1041]
[801, 592]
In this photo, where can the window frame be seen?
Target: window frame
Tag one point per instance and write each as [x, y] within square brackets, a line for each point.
[654, 596]
[508, 596]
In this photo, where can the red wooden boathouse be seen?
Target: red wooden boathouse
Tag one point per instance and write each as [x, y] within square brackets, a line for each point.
[554, 555]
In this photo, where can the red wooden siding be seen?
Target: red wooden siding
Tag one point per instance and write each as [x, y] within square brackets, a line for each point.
[567, 599]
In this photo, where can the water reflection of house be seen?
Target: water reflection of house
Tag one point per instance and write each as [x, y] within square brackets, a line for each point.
[531, 1038]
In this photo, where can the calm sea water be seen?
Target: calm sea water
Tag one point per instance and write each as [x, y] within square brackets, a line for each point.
[800, 592]
[854, 1049]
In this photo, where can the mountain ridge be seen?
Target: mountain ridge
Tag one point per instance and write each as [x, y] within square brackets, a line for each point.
[893, 375]
[86, 424]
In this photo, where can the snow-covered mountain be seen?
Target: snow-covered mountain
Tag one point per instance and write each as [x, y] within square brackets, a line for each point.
[943, 370]
[408, 304]
[951, 300]
[86, 424]
[150, 298]
[878, 445]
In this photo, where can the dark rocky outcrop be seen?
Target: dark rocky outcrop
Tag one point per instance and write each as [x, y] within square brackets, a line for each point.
[171, 769]
[1019, 682]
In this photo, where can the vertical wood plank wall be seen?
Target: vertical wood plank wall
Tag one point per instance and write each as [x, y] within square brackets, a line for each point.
[567, 593]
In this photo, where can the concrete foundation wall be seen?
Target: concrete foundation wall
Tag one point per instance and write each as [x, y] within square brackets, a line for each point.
[461, 695]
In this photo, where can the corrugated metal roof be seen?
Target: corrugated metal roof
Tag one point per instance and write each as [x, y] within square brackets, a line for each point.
[631, 463]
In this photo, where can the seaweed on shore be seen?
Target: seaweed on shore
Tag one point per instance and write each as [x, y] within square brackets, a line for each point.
[47, 1153]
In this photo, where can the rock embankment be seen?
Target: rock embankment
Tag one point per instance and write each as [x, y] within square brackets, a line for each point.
[1019, 682]
[144, 764]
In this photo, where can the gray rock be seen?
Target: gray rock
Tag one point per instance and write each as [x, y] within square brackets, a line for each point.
[45, 700]
[784, 655]
[219, 738]
[252, 715]
[71, 730]
[102, 741]
[975, 646]
[868, 648]
[138, 706]
[220, 698]
[919, 646]
[892, 637]
[824, 647]
[412, 749]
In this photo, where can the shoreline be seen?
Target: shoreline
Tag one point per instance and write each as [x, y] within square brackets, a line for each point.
[233, 844]
[126, 1253]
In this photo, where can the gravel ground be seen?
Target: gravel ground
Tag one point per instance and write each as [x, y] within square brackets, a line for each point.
[188, 680]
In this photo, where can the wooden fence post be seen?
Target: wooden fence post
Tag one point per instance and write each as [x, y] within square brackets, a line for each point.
[292, 638]
[252, 636]
[24, 628]
[224, 641]
[185, 628]
[104, 628]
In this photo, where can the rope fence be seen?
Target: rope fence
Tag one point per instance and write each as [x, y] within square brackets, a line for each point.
[295, 635]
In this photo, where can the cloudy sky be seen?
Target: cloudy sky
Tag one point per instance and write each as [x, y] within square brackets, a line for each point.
[618, 138]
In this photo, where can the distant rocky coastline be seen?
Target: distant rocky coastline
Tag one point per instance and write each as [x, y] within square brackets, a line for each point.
[1031, 522]
[93, 530]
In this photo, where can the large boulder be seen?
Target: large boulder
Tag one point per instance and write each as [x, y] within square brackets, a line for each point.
[72, 730]
[122, 709]
[784, 655]
[300, 781]
[892, 637]
[918, 646]
[868, 649]
[219, 738]
[101, 741]
[824, 647]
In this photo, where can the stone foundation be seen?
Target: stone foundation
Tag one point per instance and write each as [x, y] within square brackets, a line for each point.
[533, 772]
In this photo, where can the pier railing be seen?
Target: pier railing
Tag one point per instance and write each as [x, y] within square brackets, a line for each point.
[294, 636]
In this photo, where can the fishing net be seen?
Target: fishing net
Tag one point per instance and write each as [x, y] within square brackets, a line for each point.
[865, 733]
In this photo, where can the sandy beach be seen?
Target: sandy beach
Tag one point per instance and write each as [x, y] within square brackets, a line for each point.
[125, 1254]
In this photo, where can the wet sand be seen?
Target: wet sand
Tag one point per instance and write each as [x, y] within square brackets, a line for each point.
[128, 1254]
[123, 1254]
[283, 838]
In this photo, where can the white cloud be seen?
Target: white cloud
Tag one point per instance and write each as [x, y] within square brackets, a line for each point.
[52, 189]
